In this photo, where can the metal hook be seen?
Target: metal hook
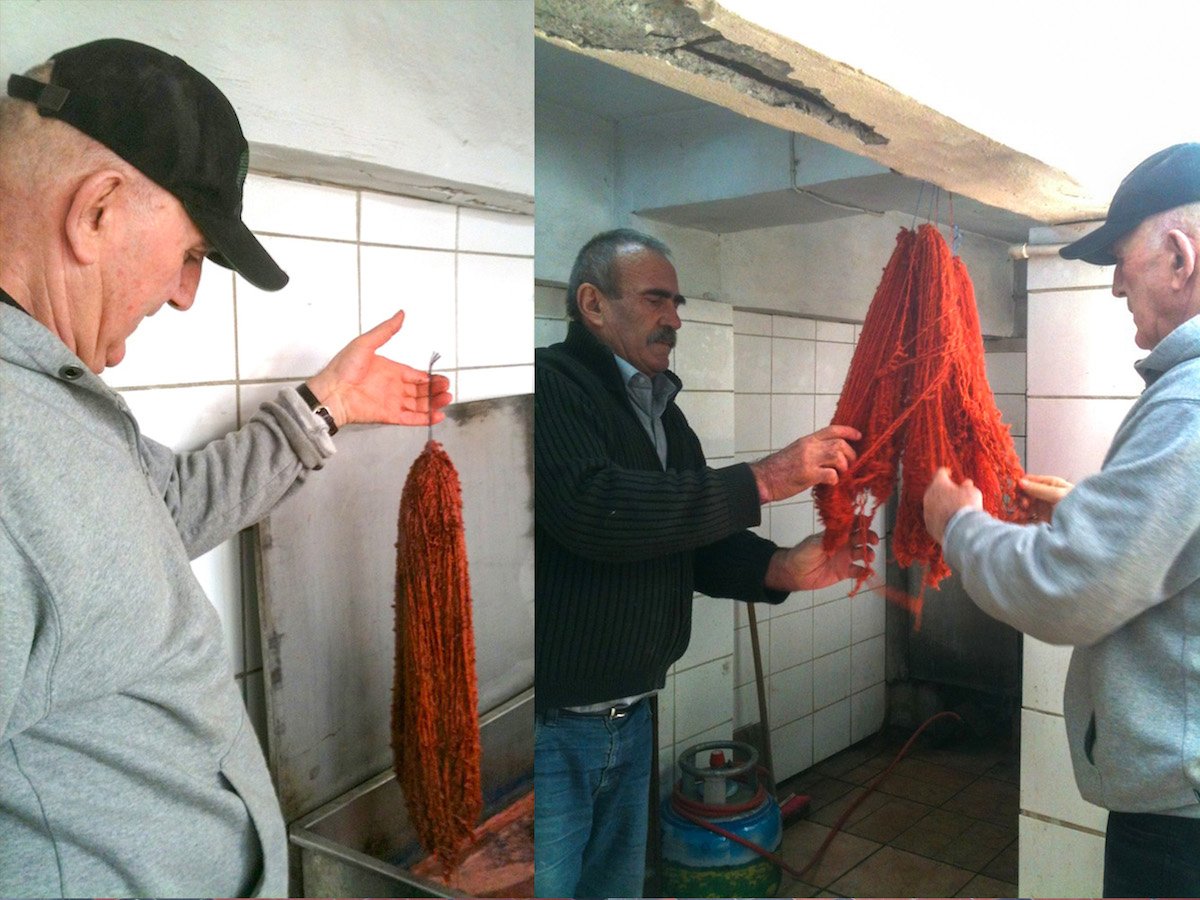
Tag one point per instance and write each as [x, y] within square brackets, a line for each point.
[436, 356]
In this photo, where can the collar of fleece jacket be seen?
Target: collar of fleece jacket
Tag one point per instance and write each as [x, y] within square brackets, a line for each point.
[1179, 346]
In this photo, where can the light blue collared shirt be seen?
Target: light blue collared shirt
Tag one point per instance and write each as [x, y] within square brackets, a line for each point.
[649, 397]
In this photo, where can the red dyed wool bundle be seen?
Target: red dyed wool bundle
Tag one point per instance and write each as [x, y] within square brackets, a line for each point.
[917, 390]
[435, 723]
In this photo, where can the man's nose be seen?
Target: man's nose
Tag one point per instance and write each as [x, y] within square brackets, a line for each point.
[672, 318]
[189, 281]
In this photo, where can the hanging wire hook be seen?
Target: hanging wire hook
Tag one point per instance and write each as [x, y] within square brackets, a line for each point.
[954, 229]
[917, 210]
[436, 356]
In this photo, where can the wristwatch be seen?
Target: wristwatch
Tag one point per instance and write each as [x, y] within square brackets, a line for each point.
[317, 407]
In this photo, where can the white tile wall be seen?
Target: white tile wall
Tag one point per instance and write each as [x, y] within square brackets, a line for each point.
[790, 639]
[704, 356]
[792, 746]
[1069, 436]
[832, 678]
[293, 332]
[1043, 673]
[495, 310]
[703, 699]
[201, 340]
[1057, 860]
[1080, 384]
[422, 283]
[831, 730]
[710, 413]
[407, 222]
[279, 206]
[1044, 759]
[464, 278]
[712, 633]
[789, 696]
[1096, 361]
[867, 710]
[487, 231]
[822, 650]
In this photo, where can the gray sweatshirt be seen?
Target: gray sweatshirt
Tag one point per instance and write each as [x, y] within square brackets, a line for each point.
[1117, 575]
[128, 766]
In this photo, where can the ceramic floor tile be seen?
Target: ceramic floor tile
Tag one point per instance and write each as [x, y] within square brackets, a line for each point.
[969, 758]
[931, 835]
[1004, 866]
[790, 887]
[869, 770]
[922, 791]
[921, 770]
[1007, 770]
[976, 846]
[826, 791]
[982, 886]
[892, 872]
[802, 782]
[841, 763]
[988, 799]
[831, 812]
[892, 818]
[802, 840]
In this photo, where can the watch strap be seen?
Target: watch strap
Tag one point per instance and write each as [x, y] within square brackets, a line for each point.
[317, 407]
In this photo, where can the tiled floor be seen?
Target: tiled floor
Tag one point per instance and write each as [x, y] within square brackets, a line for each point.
[943, 824]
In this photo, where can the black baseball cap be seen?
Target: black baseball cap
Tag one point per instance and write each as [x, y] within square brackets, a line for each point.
[171, 123]
[1169, 178]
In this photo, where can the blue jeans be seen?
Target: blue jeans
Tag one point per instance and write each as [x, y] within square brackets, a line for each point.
[591, 803]
[1151, 856]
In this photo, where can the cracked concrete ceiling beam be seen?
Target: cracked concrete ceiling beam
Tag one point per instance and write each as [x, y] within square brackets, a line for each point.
[701, 49]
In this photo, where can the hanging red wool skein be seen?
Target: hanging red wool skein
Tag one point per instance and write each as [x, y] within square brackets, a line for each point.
[917, 389]
[435, 723]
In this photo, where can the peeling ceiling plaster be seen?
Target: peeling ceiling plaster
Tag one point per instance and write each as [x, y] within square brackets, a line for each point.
[699, 48]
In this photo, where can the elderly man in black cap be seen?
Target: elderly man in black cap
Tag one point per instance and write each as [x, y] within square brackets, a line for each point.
[1117, 572]
[127, 764]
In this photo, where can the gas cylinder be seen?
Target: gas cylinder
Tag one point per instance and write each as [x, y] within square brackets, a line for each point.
[719, 785]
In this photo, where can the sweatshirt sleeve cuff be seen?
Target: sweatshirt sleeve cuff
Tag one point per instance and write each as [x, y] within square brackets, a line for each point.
[305, 430]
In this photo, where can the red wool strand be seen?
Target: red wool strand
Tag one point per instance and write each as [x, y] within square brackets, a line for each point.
[917, 390]
[435, 724]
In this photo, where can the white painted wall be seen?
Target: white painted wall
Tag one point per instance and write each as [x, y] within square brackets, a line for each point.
[831, 269]
[1080, 383]
[576, 177]
[441, 91]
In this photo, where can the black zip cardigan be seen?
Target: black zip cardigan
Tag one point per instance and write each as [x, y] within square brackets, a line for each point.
[620, 543]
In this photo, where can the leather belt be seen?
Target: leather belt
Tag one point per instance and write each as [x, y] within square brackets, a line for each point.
[612, 712]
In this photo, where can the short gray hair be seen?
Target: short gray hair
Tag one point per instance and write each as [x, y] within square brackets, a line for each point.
[597, 262]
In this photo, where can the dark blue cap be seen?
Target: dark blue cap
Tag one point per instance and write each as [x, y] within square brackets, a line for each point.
[1169, 178]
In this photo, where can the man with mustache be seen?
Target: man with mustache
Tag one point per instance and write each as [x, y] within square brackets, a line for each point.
[629, 521]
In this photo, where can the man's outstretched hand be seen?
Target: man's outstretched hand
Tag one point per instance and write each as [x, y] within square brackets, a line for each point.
[360, 386]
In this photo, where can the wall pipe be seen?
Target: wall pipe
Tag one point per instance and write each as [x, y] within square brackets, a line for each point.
[1028, 251]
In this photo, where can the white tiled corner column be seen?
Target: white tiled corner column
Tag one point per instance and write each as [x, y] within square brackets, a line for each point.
[1080, 384]
[822, 650]
[697, 703]
[463, 276]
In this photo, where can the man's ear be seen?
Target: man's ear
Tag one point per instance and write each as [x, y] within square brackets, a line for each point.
[1183, 263]
[90, 214]
[591, 304]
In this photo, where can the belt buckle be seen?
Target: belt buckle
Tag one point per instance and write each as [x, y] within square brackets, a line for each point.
[617, 712]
